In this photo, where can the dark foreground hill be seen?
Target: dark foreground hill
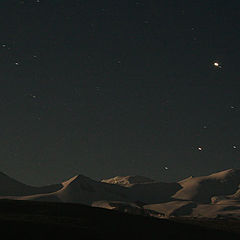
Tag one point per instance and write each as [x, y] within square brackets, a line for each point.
[44, 220]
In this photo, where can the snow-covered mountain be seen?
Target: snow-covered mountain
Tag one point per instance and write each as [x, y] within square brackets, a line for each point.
[145, 189]
[202, 189]
[215, 195]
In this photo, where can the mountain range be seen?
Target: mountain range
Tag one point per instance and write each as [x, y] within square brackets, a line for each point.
[212, 196]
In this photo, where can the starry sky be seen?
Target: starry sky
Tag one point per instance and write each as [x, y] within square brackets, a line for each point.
[106, 88]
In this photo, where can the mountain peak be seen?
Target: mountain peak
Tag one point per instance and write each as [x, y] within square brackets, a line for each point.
[77, 179]
[127, 180]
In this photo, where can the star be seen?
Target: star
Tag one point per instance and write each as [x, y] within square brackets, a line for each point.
[16, 63]
[216, 64]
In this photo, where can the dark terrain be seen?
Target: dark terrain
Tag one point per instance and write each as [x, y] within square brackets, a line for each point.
[45, 220]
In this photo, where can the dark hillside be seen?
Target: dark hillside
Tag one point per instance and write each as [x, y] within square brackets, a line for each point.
[42, 220]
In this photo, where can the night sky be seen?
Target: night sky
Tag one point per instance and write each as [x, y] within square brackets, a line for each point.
[116, 87]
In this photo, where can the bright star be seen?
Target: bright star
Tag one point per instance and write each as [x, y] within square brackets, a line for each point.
[216, 64]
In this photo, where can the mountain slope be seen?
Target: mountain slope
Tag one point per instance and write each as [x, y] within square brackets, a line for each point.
[202, 189]
[11, 187]
[85, 190]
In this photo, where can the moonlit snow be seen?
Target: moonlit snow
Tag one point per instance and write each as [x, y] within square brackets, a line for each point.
[212, 196]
